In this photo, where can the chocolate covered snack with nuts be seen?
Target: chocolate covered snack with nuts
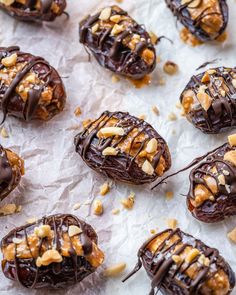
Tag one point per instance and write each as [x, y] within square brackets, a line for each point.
[118, 42]
[208, 100]
[212, 193]
[205, 19]
[11, 170]
[124, 148]
[34, 10]
[177, 263]
[56, 251]
[30, 88]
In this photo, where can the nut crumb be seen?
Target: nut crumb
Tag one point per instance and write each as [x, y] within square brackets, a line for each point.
[169, 195]
[158, 59]
[232, 235]
[8, 209]
[77, 111]
[161, 81]
[142, 117]
[104, 189]
[178, 105]
[172, 223]
[115, 211]
[170, 68]
[32, 220]
[129, 202]
[172, 117]
[114, 270]
[155, 110]
[76, 206]
[115, 79]
[98, 207]
[153, 231]
[4, 132]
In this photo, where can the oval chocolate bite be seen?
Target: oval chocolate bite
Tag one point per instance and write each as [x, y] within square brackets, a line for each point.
[212, 193]
[177, 263]
[11, 170]
[30, 88]
[118, 42]
[205, 19]
[208, 100]
[124, 148]
[54, 252]
[34, 10]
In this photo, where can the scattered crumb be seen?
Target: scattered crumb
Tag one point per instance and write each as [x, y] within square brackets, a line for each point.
[86, 122]
[114, 270]
[169, 195]
[155, 110]
[4, 132]
[153, 231]
[76, 206]
[158, 59]
[119, 1]
[104, 189]
[98, 207]
[77, 111]
[161, 81]
[74, 127]
[115, 211]
[172, 223]
[178, 105]
[18, 209]
[115, 79]
[232, 235]
[8, 209]
[32, 220]
[129, 202]
[142, 117]
[87, 202]
[172, 116]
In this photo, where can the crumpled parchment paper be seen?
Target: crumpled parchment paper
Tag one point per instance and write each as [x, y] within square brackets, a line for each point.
[56, 177]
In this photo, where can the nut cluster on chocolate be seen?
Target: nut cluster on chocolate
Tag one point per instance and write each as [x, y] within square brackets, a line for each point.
[54, 252]
[118, 42]
[34, 10]
[29, 87]
[124, 148]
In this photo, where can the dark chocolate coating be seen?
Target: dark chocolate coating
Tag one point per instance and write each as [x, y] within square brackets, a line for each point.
[71, 270]
[181, 12]
[11, 103]
[221, 115]
[167, 277]
[111, 53]
[224, 203]
[121, 167]
[28, 12]
[9, 176]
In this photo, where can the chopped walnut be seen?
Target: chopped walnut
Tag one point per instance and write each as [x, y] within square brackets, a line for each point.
[32, 220]
[234, 83]
[76, 206]
[117, 29]
[114, 270]
[205, 100]
[115, 79]
[115, 18]
[7, 2]
[95, 28]
[221, 179]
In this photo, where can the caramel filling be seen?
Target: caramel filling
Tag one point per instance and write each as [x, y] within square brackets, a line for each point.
[54, 8]
[217, 284]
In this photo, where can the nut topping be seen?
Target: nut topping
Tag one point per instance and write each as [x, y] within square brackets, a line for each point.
[43, 231]
[232, 139]
[105, 13]
[50, 256]
[110, 151]
[147, 167]
[114, 270]
[205, 100]
[151, 146]
[231, 157]
[74, 230]
[98, 207]
[192, 255]
[9, 61]
[111, 131]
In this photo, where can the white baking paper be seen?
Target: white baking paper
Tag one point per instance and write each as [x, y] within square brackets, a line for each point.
[56, 177]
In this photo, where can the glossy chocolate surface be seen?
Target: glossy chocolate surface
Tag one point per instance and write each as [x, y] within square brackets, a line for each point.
[116, 52]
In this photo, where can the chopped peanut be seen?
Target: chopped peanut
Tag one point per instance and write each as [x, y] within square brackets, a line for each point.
[10, 61]
[110, 151]
[74, 230]
[111, 131]
[77, 111]
[192, 255]
[232, 139]
[129, 202]
[232, 235]
[105, 13]
[43, 231]
[147, 168]
[151, 146]
[98, 207]
[50, 256]
[104, 189]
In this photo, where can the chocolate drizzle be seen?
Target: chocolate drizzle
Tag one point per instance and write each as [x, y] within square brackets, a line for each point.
[172, 278]
[194, 25]
[12, 103]
[6, 173]
[30, 12]
[222, 113]
[110, 50]
[71, 270]
[122, 167]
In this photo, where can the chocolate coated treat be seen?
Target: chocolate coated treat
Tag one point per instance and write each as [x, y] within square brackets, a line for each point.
[54, 252]
[177, 263]
[34, 10]
[212, 193]
[205, 19]
[29, 87]
[123, 148]
[209, 100]
[11, 170]
[118, 42]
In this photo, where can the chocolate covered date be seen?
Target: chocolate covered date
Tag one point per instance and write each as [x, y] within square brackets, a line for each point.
[29, 87]
[56, 251]
[177, 263]
[118, 42]
[212, 193]
[11, 170]
[33, 10]
[205, 19]
[208, 100]
[123, 148]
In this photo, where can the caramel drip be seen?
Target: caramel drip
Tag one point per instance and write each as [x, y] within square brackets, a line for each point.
[33, 95]
[6, 173]
[88, 138]
[59, 224]
[161, 262]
